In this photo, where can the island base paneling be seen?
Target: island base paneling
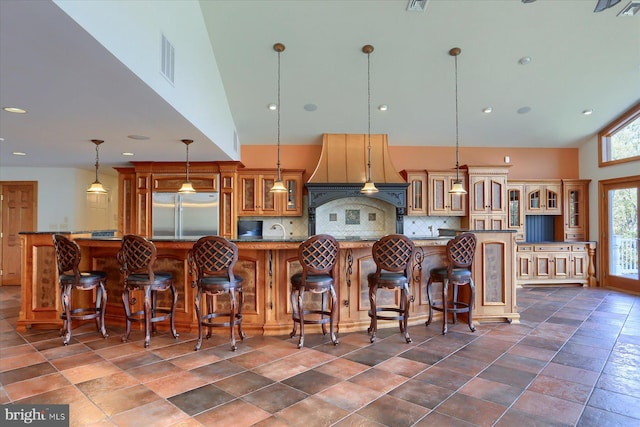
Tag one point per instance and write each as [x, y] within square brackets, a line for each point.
[266, 267]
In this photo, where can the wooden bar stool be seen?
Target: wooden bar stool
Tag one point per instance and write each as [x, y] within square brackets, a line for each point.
[392, 255]
[318, 256]
[70, 277]
[460, 253]
[211, 262]
[137, 257]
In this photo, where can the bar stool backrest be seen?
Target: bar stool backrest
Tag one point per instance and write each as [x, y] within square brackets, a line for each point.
[461, 251]
[137, 256]
[214, 256]
[393, 253]
[67, 256]
[318, 255]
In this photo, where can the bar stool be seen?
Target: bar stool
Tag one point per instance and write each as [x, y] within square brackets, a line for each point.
[392, 255]
[318, 256]
[70, 277]
[460, 253]
[211, 261]
[137, 257]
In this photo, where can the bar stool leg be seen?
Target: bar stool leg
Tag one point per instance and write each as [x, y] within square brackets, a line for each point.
[405, 305]
[102, 297]
[127, 313]
[334, 312]
[147, 315]
[294, 305]
[472, 296]
[66, 306]
[301, 316]
[445, 305]
[373, 328]
[430, 297]
[174, 294]
[199, 317]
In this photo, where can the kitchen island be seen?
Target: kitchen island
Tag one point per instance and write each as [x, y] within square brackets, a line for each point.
[266, 265]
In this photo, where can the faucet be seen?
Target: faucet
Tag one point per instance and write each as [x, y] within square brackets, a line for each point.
[277, 224]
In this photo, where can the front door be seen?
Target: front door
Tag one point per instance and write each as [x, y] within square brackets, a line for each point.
[619, 228]
[19, 213]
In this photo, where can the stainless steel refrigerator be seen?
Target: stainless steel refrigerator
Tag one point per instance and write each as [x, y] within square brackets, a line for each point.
[185, 216]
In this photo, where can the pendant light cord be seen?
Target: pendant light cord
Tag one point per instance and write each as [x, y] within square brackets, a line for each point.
[187, 162]
[97, 162]
[278, 164]
[369, 115]
[457, 162]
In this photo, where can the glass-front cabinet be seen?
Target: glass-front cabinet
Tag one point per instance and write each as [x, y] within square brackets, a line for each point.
[255, 198]
[441, 201]
[416, 192]
[575, 212]
[543, 198]
[516, 210]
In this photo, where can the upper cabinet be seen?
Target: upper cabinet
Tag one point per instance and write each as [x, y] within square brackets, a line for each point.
[255, 198]
[487, 198]
[543, 198]
[515, 220]
[575, 212]
[441, 202]
[416, 192]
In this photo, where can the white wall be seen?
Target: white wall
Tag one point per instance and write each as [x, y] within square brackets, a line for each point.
[131, 31]
[62, 197]
[589, 169]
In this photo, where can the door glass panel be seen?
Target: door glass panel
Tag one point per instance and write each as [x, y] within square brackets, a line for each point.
[574, 208]
[623, 233]
[291, 194]
[417, 194]
[514, 208]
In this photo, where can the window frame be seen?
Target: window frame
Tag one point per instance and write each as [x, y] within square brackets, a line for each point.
[604, 136]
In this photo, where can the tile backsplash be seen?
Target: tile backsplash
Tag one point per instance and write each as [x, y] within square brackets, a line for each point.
[356, 216]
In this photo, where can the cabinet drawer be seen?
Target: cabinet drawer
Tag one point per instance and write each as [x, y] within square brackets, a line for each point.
[552, 248]
[579, 248]
[525, 248]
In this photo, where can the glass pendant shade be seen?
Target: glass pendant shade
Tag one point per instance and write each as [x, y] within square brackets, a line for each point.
[187, 187]
[369, 188]
[457, 188]
[96, 187]
[278, 187]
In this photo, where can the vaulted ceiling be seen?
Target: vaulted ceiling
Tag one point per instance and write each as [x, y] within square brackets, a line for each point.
[578, 60]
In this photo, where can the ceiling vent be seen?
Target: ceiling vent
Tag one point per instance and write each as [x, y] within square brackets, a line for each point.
[631, 9]
[167, 61]
[417, 5]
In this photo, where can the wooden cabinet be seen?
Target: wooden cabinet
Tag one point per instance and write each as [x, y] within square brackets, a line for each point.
[555, 263]
[543, 198]
[487, 198]
[416, 192]
[515, 217]
[573, 225]
[441, 203]
[255, 198]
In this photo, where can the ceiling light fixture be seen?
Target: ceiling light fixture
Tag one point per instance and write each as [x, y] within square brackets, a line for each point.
[97, 187]
[272, 107]
[187, 187]
[14, 110]
[587, 112]
[383, 107]
[525, 60]
[487, 110]
[278, 185]
[369, 186]
[19, 153]
[457, 187]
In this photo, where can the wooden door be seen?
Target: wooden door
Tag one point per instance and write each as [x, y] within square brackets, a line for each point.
[620, 233]
[19, 211]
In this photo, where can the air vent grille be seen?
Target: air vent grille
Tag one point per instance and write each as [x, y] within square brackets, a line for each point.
[167, 65]
[631, 9]
[417, 5]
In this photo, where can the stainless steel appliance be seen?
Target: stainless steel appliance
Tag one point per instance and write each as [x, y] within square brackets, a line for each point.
[185, 216]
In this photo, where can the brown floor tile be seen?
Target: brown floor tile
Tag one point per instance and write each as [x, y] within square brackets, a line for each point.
[570, 373]
[514, 417]
[495, 392]
[532, 352]
[281, 369]
[158, 413]
[349, 396]
[237, 413]
[20, 361]
[115, 402]
[106, 384]
[84, 373]
[401, 366]
[175, 384]
[20, 390]
[622, 404]
[463, 365]
[391, 411]
[436, 419]
[558, 410]
[421, 393]
[217, 371]
[443, 378]
[25, 373]
[480, 412]
[342, 368]
[312, 411]
[355, 420]
[196, 359]
[200, 399]
[562, 389]
[243, 383]
[275, 397]
[153, 371]
[378, 379]
[598, 417]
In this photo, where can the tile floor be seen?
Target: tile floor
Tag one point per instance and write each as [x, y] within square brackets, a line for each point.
[573, 360]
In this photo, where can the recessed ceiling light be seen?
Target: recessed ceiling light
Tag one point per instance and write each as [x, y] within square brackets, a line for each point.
[14, 110]
[487, 110]
[383, 107]
[524, 110]
[138, 137]
[310, 107]
[127, 154]
[19, 153]
[272, 107]
[524, 60]
[1, 139]
[587, 112]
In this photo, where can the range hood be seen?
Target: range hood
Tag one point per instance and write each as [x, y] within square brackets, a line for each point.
[342, 171]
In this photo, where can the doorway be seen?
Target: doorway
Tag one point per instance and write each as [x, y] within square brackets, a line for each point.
[18, 211]
[620, 231]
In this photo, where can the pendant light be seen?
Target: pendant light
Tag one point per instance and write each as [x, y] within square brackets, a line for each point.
[97, 187]
[457, 187]
[369, 186]
[278, 185]
[187, 188]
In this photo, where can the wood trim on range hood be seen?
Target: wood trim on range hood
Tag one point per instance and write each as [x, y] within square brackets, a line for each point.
[344, 160]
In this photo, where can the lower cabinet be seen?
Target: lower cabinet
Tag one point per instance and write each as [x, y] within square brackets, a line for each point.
[556, 263]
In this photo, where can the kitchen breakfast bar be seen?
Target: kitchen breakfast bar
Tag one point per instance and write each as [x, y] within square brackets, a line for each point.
[266, 266]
